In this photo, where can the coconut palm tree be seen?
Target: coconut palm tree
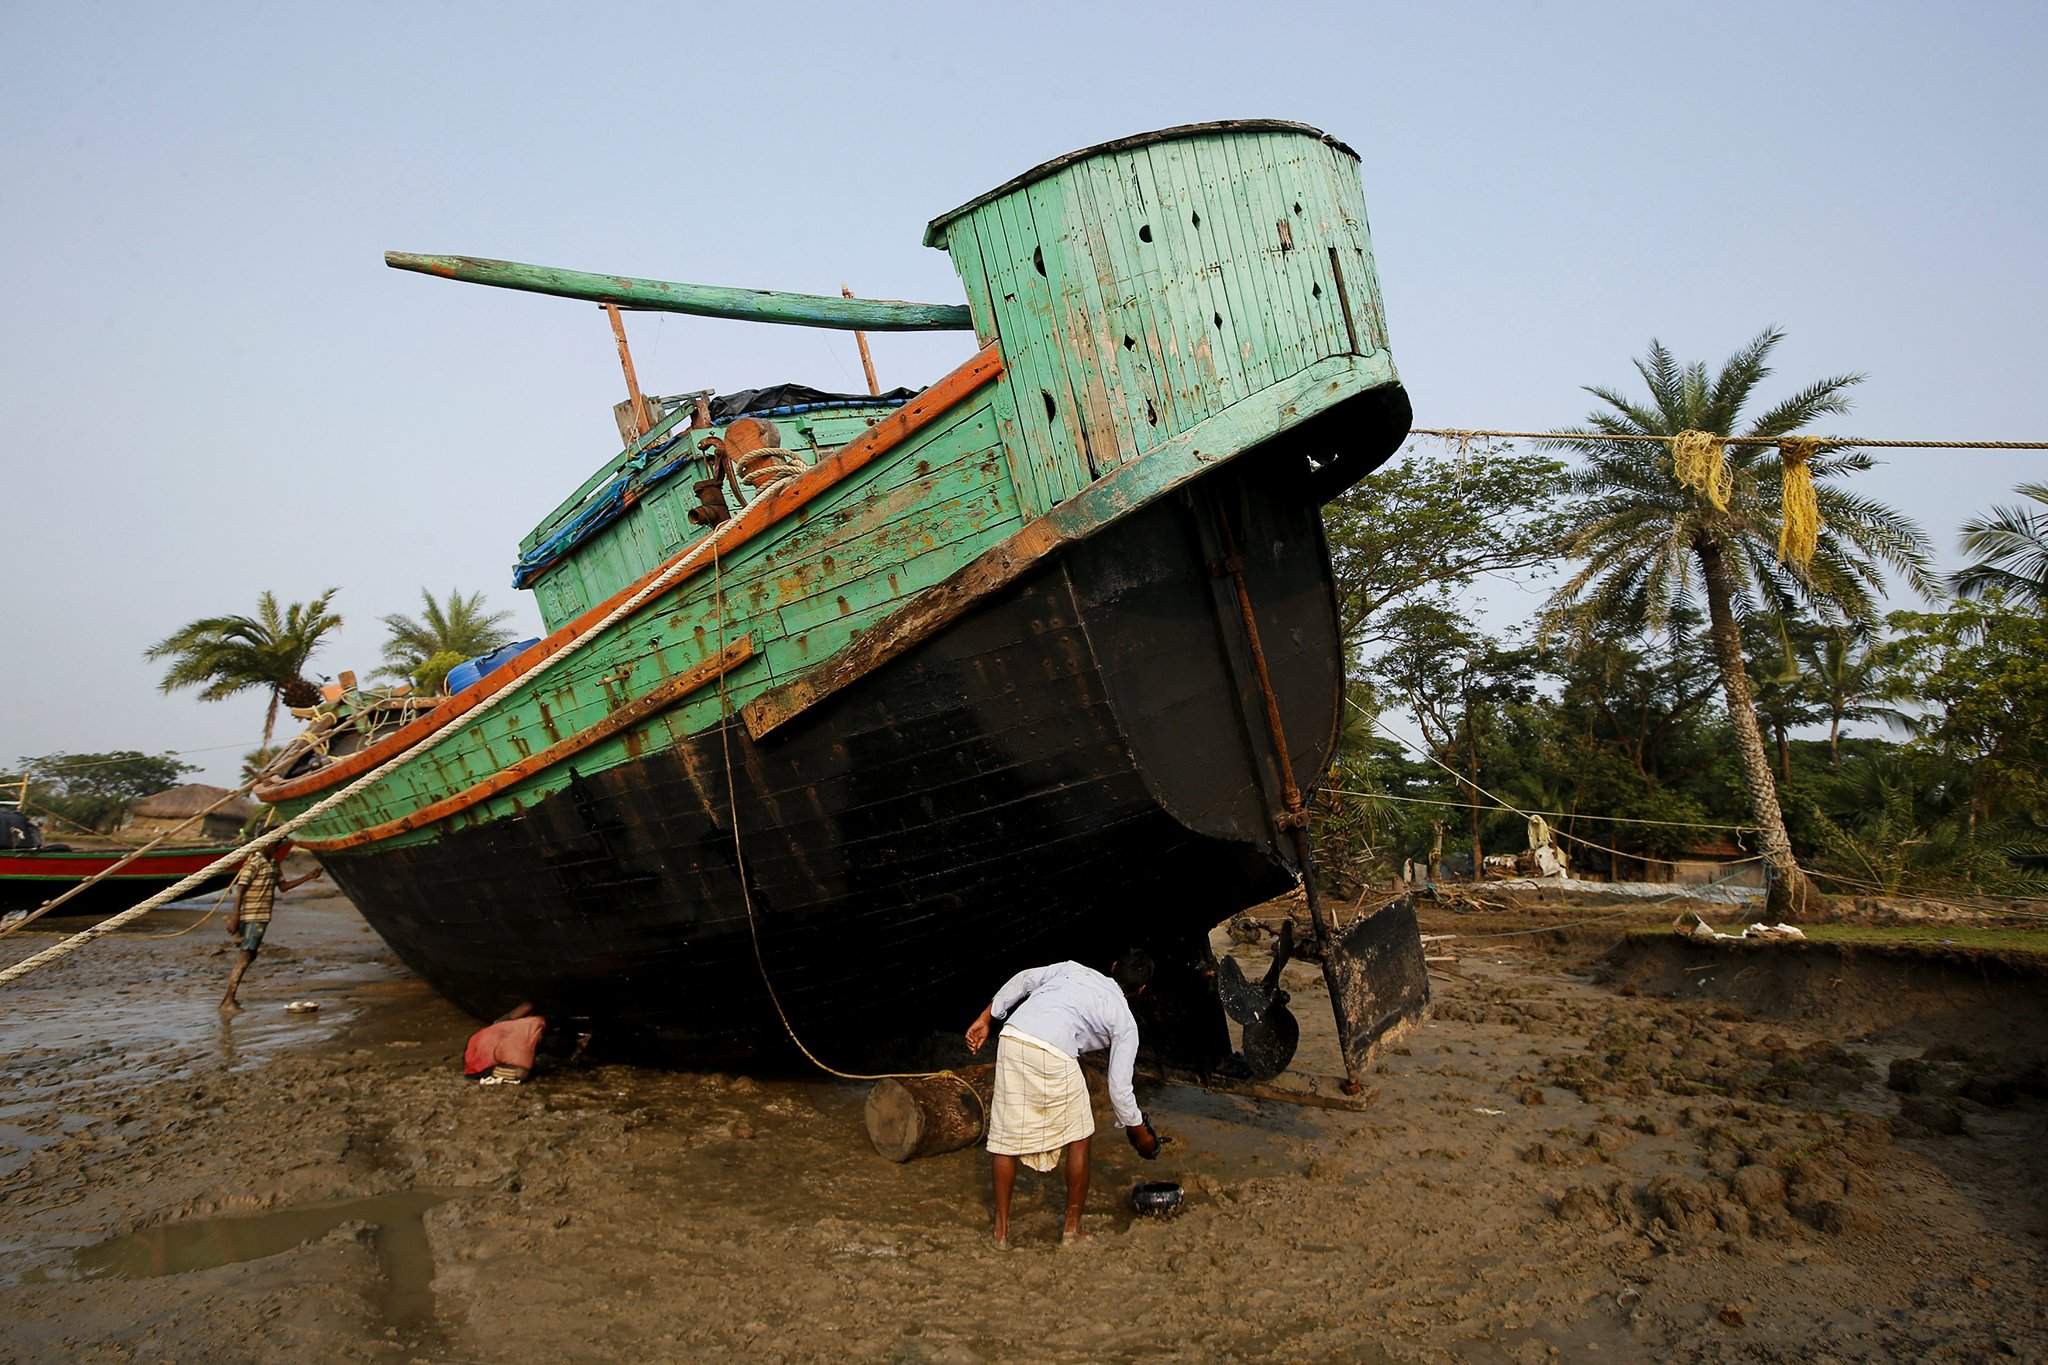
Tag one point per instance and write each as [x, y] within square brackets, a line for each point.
[2011, 546]
[1649, 542]
[226, 655]
[445, 634]
[1850, 677]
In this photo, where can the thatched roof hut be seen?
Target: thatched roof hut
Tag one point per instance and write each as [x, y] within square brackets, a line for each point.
[165, 811]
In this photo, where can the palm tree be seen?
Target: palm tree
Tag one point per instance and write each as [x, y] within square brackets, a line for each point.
[2011, 546]
[224, 655]
[1649, 542]
[1777, 688]
[445, 634]
[1849, 677]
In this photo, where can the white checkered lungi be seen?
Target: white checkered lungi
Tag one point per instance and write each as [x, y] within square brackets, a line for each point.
[1041, 1102]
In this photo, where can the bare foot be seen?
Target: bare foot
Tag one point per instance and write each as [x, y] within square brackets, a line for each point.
[1072, 1237]
[1002, 1243]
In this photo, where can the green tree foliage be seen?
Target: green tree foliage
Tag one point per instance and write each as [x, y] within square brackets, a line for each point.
[1649, 544]
[1981, 669]
[1933, 773]
[1901, 823]
[226, 655]
[1850, 676]
[1453, 682]
[93, 791]
[1432, 521]
[423, 649]
[1781, 690]
[2011, 551]
[431, 672]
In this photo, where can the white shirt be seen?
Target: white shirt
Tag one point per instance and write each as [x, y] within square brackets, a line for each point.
[1077, 1009]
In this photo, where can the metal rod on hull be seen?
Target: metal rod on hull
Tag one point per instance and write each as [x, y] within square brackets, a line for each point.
[703, 300]
[1295, 820]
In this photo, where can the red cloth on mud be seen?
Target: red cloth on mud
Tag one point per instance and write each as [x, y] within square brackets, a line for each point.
[510, 1043]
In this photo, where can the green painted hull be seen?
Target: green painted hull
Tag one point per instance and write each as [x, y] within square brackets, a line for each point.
[1149, 314]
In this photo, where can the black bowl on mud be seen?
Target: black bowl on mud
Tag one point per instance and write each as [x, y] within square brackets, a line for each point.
[1157, 1198]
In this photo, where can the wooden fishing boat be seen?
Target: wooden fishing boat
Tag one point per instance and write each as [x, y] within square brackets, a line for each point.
[983, 677]
[31, 877]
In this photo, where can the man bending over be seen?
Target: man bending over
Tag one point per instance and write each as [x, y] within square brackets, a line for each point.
[1041, 1107]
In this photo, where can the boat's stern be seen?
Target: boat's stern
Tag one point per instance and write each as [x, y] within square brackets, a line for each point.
[1211, 284]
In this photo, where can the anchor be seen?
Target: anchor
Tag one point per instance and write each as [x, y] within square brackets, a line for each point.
[1271, 1032]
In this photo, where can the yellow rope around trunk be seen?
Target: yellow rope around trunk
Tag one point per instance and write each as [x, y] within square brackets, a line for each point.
[1700, 459]
[1799, 530]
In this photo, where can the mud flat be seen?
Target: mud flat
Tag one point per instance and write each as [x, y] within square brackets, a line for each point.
[1553, 1166]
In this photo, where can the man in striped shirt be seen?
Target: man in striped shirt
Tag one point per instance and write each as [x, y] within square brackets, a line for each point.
[256, 887]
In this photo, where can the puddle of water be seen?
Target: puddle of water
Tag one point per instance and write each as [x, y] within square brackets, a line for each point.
[403, 1253]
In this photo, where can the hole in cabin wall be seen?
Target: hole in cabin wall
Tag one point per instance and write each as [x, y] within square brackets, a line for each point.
[1130, 342]
[1217, 318]
[1052, 409]
[1317, 293]
[1144, 232]
[1196, 220]
[1038, 259]
[1151, 414]
[1297, 208]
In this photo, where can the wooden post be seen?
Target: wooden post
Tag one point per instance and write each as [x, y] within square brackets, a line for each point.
[914, 1116]
[1472, 781]
[860, 339]
[646, 423]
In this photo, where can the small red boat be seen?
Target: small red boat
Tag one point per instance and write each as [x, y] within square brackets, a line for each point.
[31, 877]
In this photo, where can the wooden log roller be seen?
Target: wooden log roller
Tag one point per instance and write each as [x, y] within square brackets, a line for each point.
[913, 1116]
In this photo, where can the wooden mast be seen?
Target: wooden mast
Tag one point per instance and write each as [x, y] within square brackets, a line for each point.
[643, 423]
[860, 339]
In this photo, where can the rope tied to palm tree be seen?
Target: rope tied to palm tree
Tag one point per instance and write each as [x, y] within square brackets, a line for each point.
[1799, 505]
[1700, 460]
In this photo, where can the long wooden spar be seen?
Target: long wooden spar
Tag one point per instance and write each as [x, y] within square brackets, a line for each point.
[702, 300]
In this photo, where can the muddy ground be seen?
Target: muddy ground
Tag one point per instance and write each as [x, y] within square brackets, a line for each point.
[1565, 1161]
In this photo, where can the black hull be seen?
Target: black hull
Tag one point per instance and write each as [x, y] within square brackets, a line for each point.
[1079, 764]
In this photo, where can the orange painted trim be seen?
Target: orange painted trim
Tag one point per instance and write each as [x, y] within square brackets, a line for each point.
[763, 512]
[667, 694]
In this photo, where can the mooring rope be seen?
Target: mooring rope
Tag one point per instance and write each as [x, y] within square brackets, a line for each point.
[739, 854]
[1467, 434]
[660, 583]
[1553, 814]
[47, 906]
[1504, 805]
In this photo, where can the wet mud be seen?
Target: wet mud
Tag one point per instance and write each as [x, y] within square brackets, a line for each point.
[1551, 1167]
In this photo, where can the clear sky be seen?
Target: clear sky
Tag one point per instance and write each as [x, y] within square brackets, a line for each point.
[209, 383]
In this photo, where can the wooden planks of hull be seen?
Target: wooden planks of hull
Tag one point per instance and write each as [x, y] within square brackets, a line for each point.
[1043, 778]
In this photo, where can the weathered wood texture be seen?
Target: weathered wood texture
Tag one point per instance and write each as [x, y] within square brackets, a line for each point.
[703, 300]
[1151, 310]
[1138, 290]
[800, 571]
[913, 1116]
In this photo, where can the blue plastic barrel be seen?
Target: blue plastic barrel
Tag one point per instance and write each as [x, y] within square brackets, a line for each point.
[470, 672]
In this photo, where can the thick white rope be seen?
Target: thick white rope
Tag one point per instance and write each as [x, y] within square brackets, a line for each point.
[71, 945]
[47, 906]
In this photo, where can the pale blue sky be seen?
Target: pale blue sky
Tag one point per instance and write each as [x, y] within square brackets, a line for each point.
[210, 384]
